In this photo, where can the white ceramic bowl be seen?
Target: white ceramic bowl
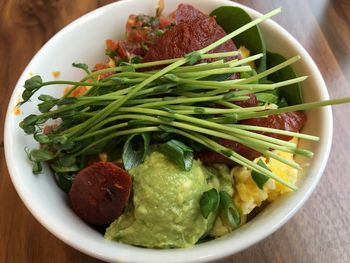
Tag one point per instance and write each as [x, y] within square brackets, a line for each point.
[83, 41]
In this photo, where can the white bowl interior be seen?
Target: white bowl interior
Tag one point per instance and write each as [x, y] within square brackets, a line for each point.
[83, 41]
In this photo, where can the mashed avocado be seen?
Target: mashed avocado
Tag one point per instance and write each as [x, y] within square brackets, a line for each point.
[164, 211]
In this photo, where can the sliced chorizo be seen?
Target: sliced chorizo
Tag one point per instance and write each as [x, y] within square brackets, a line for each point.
[287, 121]
[100, 192]
[290, 121]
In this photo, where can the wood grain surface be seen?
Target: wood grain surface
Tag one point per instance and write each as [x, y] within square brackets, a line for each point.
[319, 232]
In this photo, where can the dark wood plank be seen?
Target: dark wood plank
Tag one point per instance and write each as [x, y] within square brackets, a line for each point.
[317, 233]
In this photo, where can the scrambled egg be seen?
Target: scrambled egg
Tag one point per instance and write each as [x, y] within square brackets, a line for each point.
[249, 195]
[246, 53]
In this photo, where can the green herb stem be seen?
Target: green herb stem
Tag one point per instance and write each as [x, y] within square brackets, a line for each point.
[277, 131]
[118, 134]
[298, 107]
[240, 30]
[208, 124]
[271, 70]
[234, 156]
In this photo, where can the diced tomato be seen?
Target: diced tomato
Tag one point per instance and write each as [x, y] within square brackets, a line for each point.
[138, 35]
[111, 45]
[165, 21]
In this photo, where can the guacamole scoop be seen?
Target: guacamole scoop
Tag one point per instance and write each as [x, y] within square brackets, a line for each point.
[164, 211]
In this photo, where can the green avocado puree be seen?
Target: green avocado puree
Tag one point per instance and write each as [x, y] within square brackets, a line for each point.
[164, 211]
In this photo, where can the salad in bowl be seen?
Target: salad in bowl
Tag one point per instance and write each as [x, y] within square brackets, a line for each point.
[190, 129]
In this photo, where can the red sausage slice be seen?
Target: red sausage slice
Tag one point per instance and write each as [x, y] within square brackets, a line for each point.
[290, 121]
[100, 192]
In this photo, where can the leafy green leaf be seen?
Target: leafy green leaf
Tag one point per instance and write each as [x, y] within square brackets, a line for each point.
[64, 181]
[67, 100]
[36, 167]
[66, 160]
[42, 138]
[44, 97]
[179, 153]
[209, 202]
[82, 66]
[231, 18]
[283, 103]
[33, 83]
[41, 155]
[229, 210]
[62, 142]
[136, 60]
[30, 119]
[135, 150]
[46, 106]
[28, 123]
[292, 93]
[260, 179]
[30, 129]
[64, 169]
[26, 95]
[267, 97]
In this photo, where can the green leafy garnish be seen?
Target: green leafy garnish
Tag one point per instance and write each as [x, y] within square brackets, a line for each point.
[33, 83]
[209, 202]
[64, 181]
[31, 86]
[41, 155]
[266, 97]
[231, 18]
[259, 178]
[179, 153]
[28, 123]
[82, 66]
[37, 156]
[292, 93]
[135, 150]
[229, 211]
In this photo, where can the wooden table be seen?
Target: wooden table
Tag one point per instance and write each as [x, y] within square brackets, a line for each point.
[319, 232]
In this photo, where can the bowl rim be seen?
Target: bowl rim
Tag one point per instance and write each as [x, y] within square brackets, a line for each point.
[197, 253]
